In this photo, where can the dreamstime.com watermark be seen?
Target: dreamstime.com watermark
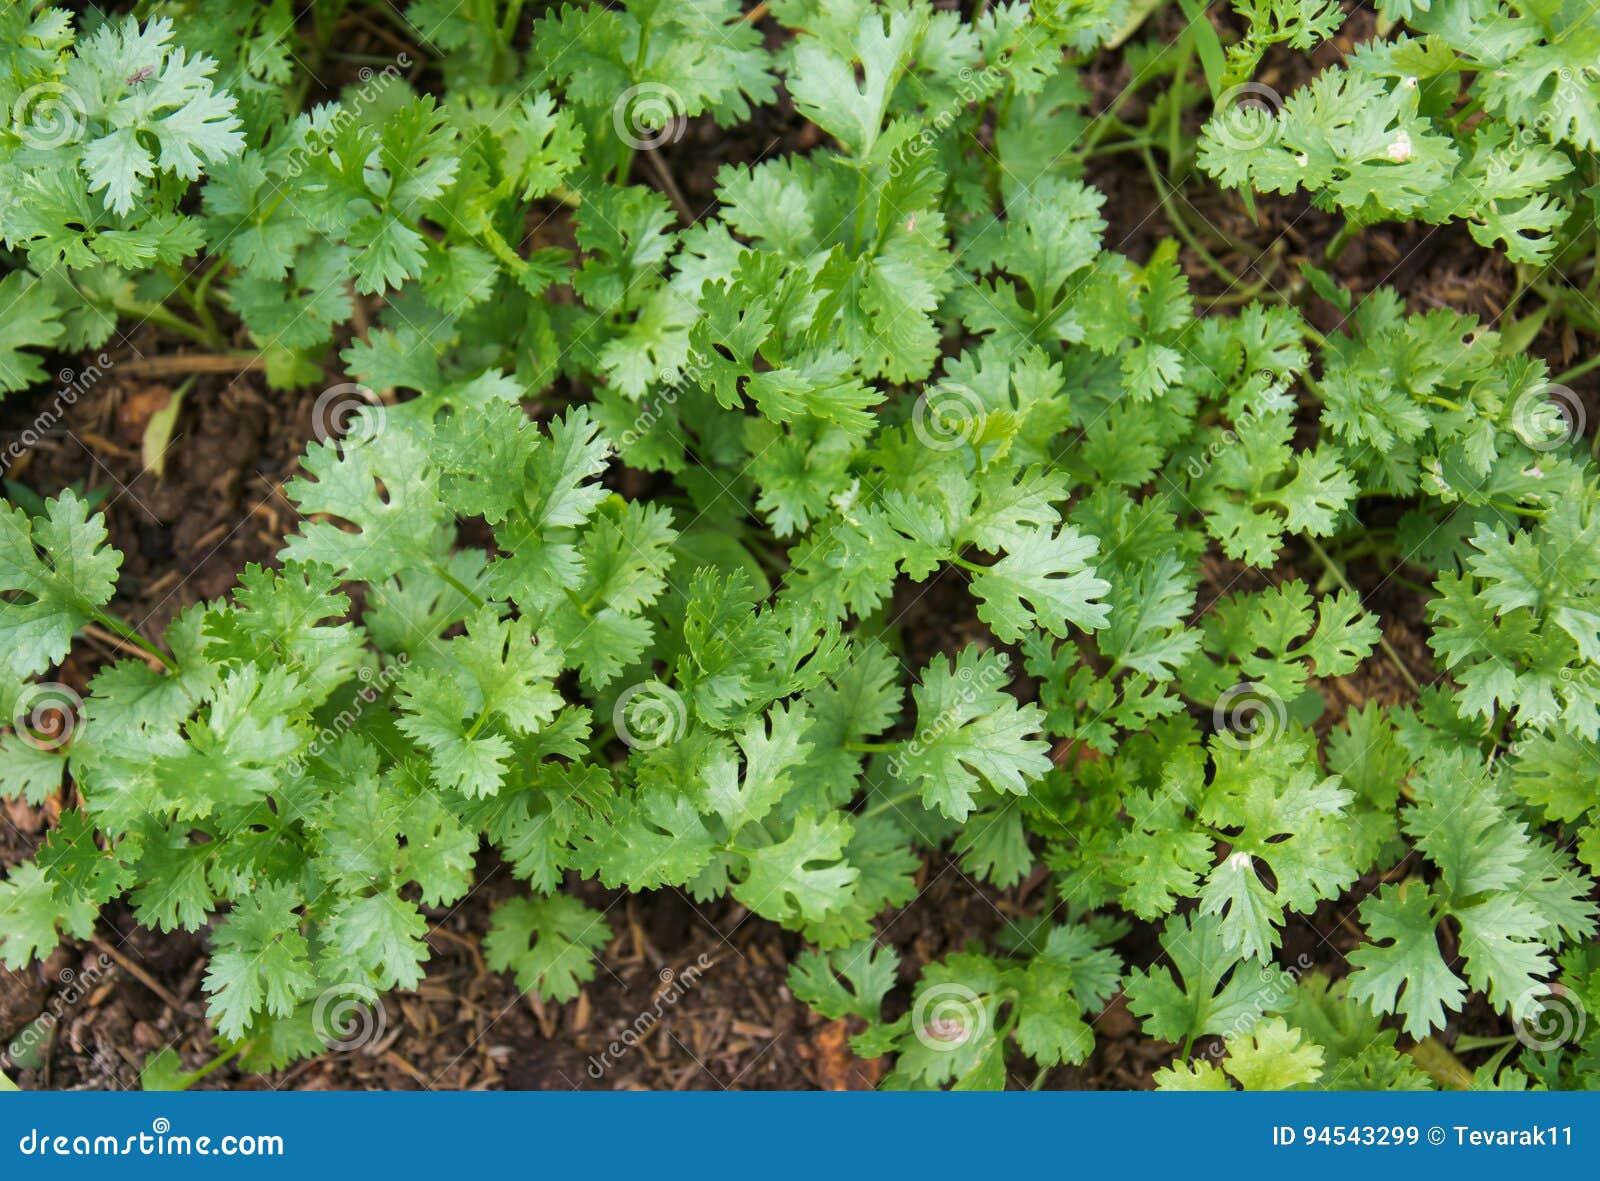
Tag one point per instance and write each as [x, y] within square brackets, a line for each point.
[70, 386]
[1277, 986]
[1248, 417]
[949, 1015]
[975, 86]
[676, 985]
[974, 684]
[374, 684]
[158, 1141]
[322, 135]
[75, 985]
[654, 408]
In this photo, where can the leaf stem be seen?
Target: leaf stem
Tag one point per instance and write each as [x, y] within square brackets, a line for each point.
[220, 1060]
[457, 585]
[1339, 241]
[892, 802]
[1576, 371]
[1176, 220]
[1439, 1064]
[127, 632]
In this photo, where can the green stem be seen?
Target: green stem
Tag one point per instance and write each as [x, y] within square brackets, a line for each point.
[572, 597]
[1107, 121]
[1121, 145]
[861, 205]
[871, 748]
[1441, 1065]
[893, 802]
[1174, 121]
[1340, 240]
[202, 289]
[1179, 224]
[502, 250]
[457, 585]
[1517, 510]
[157, 314]
[219, 1061]
[127, 632]
[1577, 371]
[508, 27]
[1465, 113]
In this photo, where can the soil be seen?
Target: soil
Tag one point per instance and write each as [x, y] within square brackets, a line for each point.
[109, 1002]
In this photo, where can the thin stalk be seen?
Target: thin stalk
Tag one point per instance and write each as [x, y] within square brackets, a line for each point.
[127, 632]
[220, 1060]
[508, 27]
[1577, 371]
[894, 802]
[1178, 223]
[1340, 240]
[457, 585]
[1175, 119]
[202, 289]
[1441, 1065]
[1120, 145]
[157, 314]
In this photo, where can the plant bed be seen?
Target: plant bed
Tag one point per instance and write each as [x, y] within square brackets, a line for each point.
[821, 546]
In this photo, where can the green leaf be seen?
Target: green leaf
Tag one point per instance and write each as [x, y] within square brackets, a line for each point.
[851, 980]
[261, 962]
[971, 735]
[1218, 994]
[59, 573]
[549, 943]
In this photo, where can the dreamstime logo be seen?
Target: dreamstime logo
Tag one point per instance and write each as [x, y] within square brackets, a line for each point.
[1197, 465]
[648, 115]
[374, 684]
[653, 410]
[648, 715]
[323, 133]
[1276, 986]
[1547, 416]
[674, 986]
[948, 1016]
[349, 413]
[1245, 117]
[1249, 714]
[947, 416]
[974, 684]
[71, 385]
[974, 86]
[75, 986]
[1552, 124]
[1548, 1016]
[48, 116]
[348, 1017]
[47, 713]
